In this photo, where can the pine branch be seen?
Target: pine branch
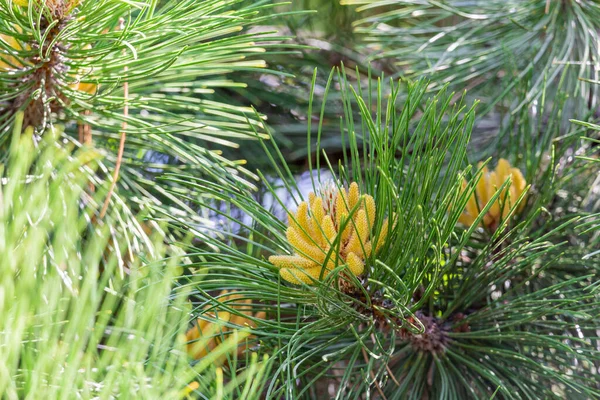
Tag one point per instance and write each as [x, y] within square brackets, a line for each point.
[486, 45]
[444, 308]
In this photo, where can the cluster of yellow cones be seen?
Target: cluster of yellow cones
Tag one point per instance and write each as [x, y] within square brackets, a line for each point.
[206, 335]
[330, 230]
[488, 184]
[336, 227]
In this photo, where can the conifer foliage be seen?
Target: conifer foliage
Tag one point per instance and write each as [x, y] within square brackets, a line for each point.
[135, 79]
[440, 243]
[489, 47]
[465, 298]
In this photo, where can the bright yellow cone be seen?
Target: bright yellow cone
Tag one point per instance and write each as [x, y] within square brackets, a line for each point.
[486, 188]
[205, 335]
[322, 223]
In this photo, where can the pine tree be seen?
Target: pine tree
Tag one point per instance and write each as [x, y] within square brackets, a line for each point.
[446, 248]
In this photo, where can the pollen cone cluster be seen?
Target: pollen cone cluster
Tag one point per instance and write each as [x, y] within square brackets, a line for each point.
[332, 229]
[486, 188]
[205, 335]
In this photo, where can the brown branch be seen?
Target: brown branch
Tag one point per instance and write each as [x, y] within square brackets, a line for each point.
[123, 136]
[80, 128]
[85, 138]
[87, 131]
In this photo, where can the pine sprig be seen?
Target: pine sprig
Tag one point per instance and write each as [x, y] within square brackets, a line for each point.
[443, 309]
[82, 318]
[484, 45]
[73, 67]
